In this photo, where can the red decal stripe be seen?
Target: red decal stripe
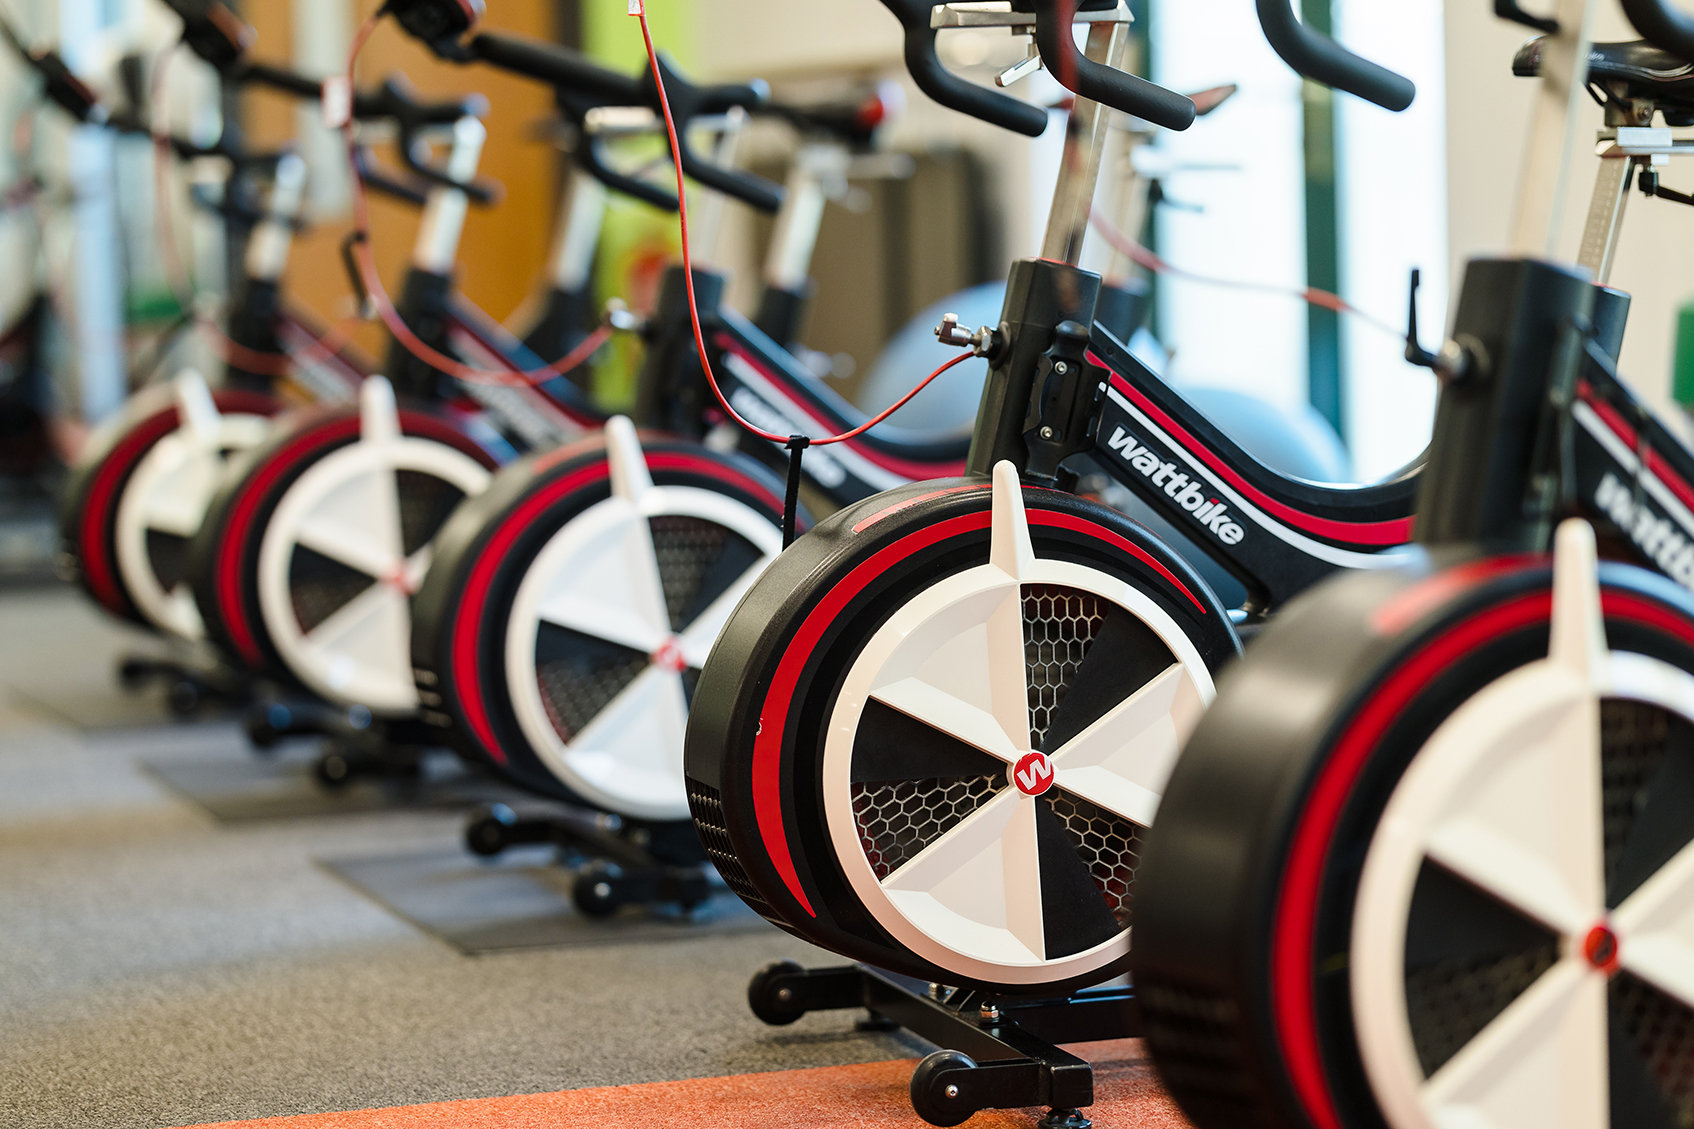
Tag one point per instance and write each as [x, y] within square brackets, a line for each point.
[114, 469]
[910, 502]
[905, 468]
[1083, 525]
[1395, 532]
[1655, 462]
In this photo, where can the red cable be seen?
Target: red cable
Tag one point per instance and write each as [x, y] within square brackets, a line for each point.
[1149, 261]
[366, 258]
[688, 274]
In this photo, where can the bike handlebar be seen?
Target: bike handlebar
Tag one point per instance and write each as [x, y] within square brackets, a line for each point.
[1663, 25]
[1321, 59]
[948, 88]
[1103, 84]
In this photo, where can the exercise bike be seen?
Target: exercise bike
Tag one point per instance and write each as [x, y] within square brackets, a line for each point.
[934, 733]
[1429, 858]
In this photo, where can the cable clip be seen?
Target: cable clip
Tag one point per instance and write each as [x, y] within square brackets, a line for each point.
[797, 445]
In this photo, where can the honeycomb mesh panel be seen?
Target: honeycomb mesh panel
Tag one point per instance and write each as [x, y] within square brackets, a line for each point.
[1634, 739]
[705, 804]
[686, 548]
[1108, 843]
[1059, 625]
[320, 586]
[425, 502]
[1662, 1030]
[1449, 1002]
[899, 818]
[576, 686]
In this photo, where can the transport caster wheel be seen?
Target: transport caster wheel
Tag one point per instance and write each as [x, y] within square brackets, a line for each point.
[334, 769]
[489, 831]
[940, 1094]
[593, 892]
[1064, 1119]
[773, 1005]
[133, 674]
[185, 697]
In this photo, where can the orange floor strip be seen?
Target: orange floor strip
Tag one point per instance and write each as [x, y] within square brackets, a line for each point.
[870, 1096]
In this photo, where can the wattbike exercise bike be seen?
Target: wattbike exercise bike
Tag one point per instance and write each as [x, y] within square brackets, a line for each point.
[1429, 859]
[852, 761]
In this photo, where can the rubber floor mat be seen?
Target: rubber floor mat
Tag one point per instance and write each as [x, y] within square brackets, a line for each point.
[521, 900]
[238, 786]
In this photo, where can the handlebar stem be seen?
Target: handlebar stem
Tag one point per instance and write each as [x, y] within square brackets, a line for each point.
[582, 211]
[273, 237]
[1085, 142]
[788, 265]
[437, 246]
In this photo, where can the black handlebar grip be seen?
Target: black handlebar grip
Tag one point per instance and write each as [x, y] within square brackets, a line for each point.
[948, 88]
[1105, 85]
[1321, 59]
[592, 157]
[1662, 25]
[688, 102]
[559, 66]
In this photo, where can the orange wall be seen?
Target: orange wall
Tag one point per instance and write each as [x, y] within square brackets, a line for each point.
[505, 246]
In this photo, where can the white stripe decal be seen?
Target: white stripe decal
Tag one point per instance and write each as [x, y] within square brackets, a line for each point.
[797, 417]
[1345, 558]
[1625, 455]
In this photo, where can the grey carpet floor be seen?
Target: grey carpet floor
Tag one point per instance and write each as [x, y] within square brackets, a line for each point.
[157, 969]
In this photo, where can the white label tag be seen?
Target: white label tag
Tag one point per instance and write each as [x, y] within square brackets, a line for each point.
[337, 96]
[635, 8]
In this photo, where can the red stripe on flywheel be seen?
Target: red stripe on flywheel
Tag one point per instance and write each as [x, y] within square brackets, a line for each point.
[114, 468]
[471, 703]
[766, 770]
[1292, 980]
[1655, 462]
[467, 675]
[919, 500]
[234, 535]
[1083, 525]
[231, 606]
[906, 468]
[1395, 532]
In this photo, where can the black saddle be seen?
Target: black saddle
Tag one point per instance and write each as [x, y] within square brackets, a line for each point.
[1645, 73]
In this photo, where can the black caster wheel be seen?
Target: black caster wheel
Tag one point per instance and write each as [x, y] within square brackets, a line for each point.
[592, 891]
[489, 830]
[185, 697]
[334, 769]
[937, 1096]
[773, 1005]
[133, 674]
[264, 724]
[1064, 1119]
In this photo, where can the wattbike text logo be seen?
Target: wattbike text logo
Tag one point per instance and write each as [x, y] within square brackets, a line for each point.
[1656, 536]
[1033, 774]
[1212, 513]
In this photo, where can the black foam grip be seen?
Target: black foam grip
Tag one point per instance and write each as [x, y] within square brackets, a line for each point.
[1321, 59]
[1105, 85]
[948, 88]
[1662, 25]
[688, 102]
[592, 157]
[557, 65]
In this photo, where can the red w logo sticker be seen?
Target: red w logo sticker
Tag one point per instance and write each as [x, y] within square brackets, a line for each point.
[1033, 774]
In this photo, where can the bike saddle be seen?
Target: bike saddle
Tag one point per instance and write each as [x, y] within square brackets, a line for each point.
[1644, 72]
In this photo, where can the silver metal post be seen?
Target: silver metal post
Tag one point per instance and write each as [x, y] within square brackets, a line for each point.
[1552, 133]
[1085, 141]
[1605, 216]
